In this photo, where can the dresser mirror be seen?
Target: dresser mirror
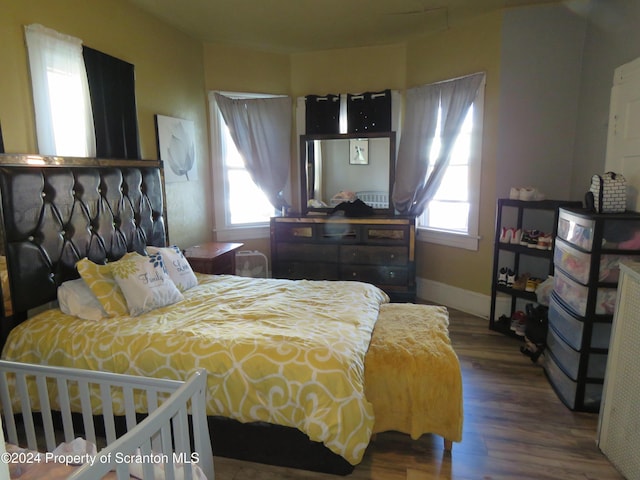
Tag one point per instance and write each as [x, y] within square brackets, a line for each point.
[342, 167]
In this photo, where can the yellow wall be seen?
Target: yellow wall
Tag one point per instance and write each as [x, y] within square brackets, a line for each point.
[473, 47]
[174, 73]
[349, 70]
[169, 81]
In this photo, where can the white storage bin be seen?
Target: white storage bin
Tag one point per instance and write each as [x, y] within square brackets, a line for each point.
[567, 388]
[574, 295]
[569, 359]
[570, 328]
[577, 264]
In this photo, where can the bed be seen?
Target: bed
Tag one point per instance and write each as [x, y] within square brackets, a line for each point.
[300, 399]
[157, 446]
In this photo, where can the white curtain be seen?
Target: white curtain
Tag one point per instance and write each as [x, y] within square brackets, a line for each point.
[64, 121]
[261, 130]
[413, 188]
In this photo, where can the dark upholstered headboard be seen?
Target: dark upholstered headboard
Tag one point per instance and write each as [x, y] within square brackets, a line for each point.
[58, 210]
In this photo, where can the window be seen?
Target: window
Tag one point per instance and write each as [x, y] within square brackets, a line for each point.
[64, 122]
[451, 217]
[239, 203]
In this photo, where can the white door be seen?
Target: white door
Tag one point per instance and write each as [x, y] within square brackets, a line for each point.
[623, 141]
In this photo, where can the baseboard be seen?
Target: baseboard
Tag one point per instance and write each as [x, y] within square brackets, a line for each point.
[466, 301]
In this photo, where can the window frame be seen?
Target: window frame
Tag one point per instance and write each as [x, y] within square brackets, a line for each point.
[223, 229]
[469, 240]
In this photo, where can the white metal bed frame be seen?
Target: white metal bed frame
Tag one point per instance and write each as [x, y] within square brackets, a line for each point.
[163, 432]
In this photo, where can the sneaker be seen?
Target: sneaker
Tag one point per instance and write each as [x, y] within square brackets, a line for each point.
[502, 276]
[530, 194]
[544, 242]
[521, 282]
[516, 236]
[506, 235]
[514, 193]
[532, 284]
[521, 327]
[525, 238]
[534, 235]
[518, 321]
[511, 278]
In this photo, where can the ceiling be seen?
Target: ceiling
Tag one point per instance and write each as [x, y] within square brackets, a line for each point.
[292, 26]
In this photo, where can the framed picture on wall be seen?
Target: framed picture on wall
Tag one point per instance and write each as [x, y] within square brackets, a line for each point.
[358, 152]
[177, 148]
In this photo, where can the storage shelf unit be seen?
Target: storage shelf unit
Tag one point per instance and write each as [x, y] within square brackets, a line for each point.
[522, 215]
[588, 250]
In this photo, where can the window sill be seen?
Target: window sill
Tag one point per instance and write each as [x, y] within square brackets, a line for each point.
[456, 240]
[230, 234]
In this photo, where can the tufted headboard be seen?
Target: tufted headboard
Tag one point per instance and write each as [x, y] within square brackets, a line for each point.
[58, 210]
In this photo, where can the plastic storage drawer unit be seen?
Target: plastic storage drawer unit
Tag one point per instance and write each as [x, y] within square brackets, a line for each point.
[571, 328]
[577, 264]
[569, 359]
[575, 296]
[567, 389]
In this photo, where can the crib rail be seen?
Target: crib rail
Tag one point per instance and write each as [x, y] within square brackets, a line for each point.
[28, 390]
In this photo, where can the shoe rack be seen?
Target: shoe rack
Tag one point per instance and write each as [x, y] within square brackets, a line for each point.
[521, 215]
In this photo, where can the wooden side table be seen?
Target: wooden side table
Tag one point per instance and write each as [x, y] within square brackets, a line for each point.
[213, 257]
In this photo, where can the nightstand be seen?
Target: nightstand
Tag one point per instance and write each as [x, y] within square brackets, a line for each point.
[213, 257]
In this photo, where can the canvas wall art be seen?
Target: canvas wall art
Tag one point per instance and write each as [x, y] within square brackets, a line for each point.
[177, 148]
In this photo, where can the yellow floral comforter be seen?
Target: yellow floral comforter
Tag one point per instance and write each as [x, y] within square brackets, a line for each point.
[279, 351]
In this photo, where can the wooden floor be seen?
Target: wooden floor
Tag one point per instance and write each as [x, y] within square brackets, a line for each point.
[515, 427]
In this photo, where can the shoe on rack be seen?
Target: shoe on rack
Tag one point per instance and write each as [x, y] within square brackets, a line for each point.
[534, 235]
[521, 282]
[516, 236]
[518, 321]
[532, 284]
[502, 276]
[514, 193]
[511, 278]
[503, 323]
[525, 238]
[544, 242]
[530, 194]
[506, 235]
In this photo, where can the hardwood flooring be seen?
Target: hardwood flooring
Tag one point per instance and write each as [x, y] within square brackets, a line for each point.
[515, 427]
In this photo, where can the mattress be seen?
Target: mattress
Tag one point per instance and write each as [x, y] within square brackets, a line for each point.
[280, 351]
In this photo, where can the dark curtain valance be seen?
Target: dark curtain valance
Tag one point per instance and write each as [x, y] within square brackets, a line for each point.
[113, 100]
[369, 112]
[322, 114]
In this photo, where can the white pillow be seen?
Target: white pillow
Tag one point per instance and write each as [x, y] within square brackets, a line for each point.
[145, 283]
[177, 266]
[76, 298]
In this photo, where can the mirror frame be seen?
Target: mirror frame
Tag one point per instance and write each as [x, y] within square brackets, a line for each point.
[304, 150]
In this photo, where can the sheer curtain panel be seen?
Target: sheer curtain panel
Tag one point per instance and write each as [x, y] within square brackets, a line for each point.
[450, 100]
[261, 130]
[64, 121]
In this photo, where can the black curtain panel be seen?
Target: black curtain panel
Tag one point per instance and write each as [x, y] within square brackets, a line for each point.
[369, 112]
[322, 114]
[113, 100]
[1, 141]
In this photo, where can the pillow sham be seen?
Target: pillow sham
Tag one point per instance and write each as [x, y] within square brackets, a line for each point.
[103, 285]
[145, 283]
[76, 298]
[177, 266]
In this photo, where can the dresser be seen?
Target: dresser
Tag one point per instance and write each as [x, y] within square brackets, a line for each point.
[377, 250]
[588, 250]
[213, 258]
